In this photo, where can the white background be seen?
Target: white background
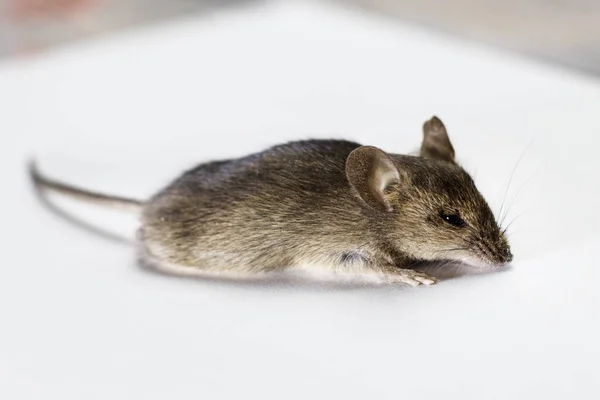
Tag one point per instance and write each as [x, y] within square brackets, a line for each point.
[125, 114]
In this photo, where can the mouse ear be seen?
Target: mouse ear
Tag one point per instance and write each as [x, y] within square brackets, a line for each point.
[370, 171]
[436, 143]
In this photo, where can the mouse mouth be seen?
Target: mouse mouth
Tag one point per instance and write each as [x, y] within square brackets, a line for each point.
[477, 259]
[489, 254]
[478, 254]
[484, 262]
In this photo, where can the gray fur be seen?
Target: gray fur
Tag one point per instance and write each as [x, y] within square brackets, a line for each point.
[308, 205]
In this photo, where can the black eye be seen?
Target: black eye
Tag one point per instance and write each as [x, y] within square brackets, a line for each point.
[453, 219]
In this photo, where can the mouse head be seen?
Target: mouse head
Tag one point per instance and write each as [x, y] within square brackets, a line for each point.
[429, 206]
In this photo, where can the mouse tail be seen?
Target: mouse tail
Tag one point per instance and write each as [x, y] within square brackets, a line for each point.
[41, 182]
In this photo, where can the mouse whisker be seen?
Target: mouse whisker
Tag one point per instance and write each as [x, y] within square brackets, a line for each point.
[505, 230]
[459, 267]
[512, 200]
[512, 176]
[455, 249]
[473, 243]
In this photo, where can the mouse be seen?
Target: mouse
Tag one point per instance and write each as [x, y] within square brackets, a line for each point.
[315, 206]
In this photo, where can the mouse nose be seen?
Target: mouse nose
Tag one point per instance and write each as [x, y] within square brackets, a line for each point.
[503, 250]
[507, 256]
[502, 253]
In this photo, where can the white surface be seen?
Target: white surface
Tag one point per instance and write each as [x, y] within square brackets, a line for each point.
[126, 114]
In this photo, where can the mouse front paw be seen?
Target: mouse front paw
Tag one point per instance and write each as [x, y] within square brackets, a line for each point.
[413, 278]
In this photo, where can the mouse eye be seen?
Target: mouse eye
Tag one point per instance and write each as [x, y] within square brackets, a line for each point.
[453, 219]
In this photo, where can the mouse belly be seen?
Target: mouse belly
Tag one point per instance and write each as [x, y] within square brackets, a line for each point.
[239, 263]
[248, 246]
[249, 234]
[252, 253]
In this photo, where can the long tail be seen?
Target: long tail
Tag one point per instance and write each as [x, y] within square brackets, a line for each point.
[43, 183]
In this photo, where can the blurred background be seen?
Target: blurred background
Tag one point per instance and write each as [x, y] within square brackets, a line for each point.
[563, 32]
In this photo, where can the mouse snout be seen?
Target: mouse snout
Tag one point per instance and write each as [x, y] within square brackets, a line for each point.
[504, 252]
[495, 251]
[505, 256]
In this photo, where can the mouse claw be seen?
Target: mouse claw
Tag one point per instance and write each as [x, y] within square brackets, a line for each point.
[414, 278]
[427, 280]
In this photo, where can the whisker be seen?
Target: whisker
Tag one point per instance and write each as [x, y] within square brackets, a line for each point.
[413, 264]
[505, 230]
[473, 243]
[455, 249]
[459, 268]
[512, 175]
[513, 233]
[444, 265]
[511, 201]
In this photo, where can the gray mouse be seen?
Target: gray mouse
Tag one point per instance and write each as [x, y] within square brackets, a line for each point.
[318, 205]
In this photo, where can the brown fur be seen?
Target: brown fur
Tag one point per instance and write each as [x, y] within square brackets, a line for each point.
[329, 204]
